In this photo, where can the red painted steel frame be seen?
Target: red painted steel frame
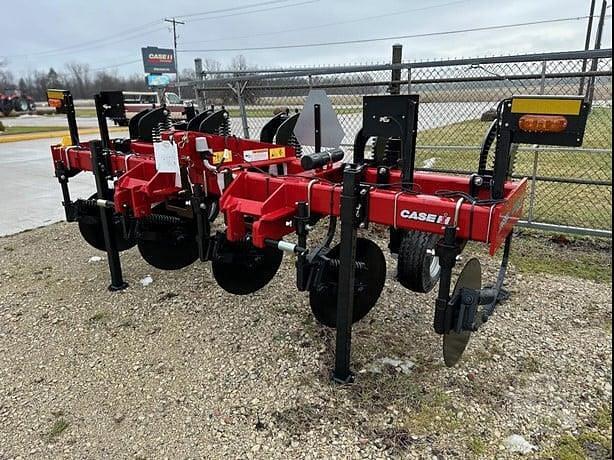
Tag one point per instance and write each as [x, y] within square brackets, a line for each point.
[263, 204]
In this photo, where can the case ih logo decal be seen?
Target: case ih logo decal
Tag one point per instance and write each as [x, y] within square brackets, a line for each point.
[158, 60]
[425, 217]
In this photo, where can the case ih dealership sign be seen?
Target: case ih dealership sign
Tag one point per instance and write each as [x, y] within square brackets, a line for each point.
[158, 60]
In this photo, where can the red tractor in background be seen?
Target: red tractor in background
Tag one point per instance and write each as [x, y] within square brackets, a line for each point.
[14, 100]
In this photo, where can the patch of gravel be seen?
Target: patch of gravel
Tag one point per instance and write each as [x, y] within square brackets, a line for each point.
[180, 369]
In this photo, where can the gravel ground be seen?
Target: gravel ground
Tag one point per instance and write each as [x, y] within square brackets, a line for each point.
[180, 369]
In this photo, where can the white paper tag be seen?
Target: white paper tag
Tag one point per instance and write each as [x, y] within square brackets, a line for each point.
[167, 159]
[256, 155]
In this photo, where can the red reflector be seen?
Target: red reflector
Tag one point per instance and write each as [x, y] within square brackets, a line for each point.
[56, 103]
[542, 123]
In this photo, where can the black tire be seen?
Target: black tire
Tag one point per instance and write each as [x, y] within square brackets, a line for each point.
[417, 270]
[6, 108]
[21, 105]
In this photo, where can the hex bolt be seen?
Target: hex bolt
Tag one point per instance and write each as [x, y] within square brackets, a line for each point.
[468, 299]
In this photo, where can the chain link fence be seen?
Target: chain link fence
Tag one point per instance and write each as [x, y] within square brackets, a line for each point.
[570, 188]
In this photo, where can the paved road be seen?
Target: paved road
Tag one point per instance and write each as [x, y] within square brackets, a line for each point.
[48, 120]
[31, 195]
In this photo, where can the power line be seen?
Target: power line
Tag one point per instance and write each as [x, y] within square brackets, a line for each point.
[336, 23]
[132, 32]
[113, 66]
[279, 7]
[62, 50]
[94, 45]
[394, 37]
[234, 8]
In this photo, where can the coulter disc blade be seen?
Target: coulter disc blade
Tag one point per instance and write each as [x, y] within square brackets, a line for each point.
[241, 268]
[172, 253]
[90, 227]
[368, 284]
[454, 343]
[168, 246]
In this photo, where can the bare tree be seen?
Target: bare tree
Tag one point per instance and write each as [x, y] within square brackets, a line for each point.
[211, 65]
[238, 63]
[79, 78]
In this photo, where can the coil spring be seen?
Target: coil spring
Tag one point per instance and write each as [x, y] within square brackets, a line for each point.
[88, 203]
[162, 219]
[166, 123]
[156, 133]
[224, 129]
[293, 142]
[336, 263]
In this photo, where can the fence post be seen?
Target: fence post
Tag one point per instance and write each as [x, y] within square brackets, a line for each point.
[397, 57]
[408, 79]
[199, 87]
[239, 92]
[542, 82]
[533, 185]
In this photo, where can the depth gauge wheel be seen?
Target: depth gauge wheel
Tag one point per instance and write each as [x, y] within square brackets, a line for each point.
[418, 270]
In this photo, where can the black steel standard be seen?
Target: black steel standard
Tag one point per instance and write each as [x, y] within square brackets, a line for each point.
[100, 170]
[102, 121]
[61, 171]
[71, 116]
[347, 258]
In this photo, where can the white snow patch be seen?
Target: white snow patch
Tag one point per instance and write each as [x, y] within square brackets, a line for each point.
[516, 443]
[147, 280]
[398, 364]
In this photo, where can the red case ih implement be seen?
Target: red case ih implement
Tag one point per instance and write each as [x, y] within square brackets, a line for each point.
[169, 182]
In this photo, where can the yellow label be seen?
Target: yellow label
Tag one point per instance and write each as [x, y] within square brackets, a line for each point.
[277, 152]
[546, 106]
[66, 141]
[225, 155]
[53, 94]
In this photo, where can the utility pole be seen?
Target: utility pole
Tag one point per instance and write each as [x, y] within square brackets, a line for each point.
[174, 22]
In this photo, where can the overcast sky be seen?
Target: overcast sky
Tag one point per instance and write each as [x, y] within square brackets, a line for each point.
[39, 34]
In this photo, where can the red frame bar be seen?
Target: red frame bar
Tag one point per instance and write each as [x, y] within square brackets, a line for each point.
[270, 201]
